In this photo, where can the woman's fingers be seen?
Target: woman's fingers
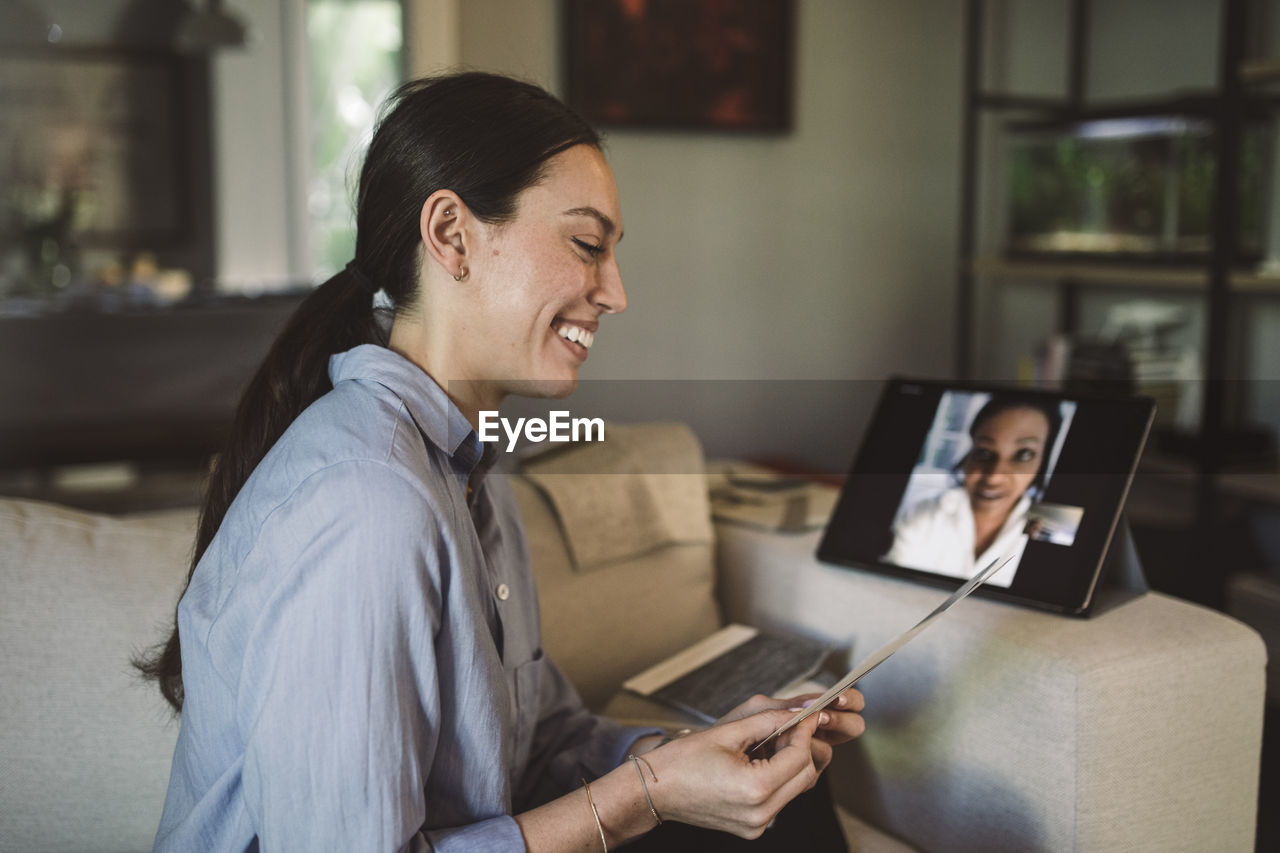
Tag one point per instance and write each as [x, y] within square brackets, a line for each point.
[792, 769]
[850, 700]
[841, 726]
[794, 746]
[749, 731]
[754, 705]
[709, 780]
[747, 791]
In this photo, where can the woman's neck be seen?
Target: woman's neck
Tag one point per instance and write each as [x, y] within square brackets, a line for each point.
[987, 527]
[412, 341]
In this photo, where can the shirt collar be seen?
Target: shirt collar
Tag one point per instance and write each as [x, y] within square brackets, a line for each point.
[439, 420]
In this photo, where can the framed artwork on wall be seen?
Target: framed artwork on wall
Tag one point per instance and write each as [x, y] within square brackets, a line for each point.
[94, 138]
[695, 64]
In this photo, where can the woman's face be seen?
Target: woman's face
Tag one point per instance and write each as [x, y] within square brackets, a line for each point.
[542, 280]
[1008, 448]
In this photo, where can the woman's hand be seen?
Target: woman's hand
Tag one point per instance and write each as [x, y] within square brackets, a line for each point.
[707, 779]
[839, 722]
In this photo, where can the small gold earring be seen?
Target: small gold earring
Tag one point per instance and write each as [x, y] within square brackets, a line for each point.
[448, 213]
[462, 273]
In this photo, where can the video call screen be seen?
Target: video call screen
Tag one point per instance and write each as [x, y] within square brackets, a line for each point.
[951, 477]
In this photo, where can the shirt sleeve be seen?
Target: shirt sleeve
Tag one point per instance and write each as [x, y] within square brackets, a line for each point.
[570, 743]
[338, 700]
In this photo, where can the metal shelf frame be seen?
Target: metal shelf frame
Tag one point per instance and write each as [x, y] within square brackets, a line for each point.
[1234, 99]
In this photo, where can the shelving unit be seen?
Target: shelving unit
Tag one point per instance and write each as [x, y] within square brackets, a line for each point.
[1193, 514]
[1100, 274]
[1221, 282]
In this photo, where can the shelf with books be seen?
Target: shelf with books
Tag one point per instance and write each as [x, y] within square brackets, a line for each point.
[1261, 71]
[1256, 282]
[1117, 274]
[1121, 275]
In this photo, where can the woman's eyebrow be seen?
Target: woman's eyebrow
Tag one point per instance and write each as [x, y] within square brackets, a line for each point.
[605, 222]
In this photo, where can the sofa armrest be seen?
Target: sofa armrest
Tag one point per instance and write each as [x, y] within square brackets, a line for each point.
[1004, 728]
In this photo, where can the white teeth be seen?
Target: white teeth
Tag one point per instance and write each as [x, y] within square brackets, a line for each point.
[576, 334]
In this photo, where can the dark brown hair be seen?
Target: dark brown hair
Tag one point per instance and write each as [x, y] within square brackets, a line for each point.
[483, 136]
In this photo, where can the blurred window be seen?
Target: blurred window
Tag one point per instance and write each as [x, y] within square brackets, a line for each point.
[354, 52]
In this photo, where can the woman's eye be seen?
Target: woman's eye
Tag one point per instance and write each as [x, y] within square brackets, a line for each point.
[592, 250]
[1024, 455]
[982, 457]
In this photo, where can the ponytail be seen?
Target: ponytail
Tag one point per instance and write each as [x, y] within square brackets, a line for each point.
[484, 136]
[335, 317]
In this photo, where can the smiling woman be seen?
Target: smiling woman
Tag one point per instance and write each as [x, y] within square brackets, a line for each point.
[531, 289]
[985, 515]
[357, 657]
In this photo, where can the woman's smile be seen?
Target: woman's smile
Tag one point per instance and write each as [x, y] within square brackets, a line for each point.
[985, 492]
[576, 335]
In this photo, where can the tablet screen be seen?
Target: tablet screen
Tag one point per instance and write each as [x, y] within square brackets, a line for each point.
[951, 476]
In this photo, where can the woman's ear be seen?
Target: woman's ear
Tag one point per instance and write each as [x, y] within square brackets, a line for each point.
[442, 224]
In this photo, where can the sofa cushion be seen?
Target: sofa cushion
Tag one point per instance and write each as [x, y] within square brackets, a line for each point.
[85, 745]
[648, 594]
[642, 488]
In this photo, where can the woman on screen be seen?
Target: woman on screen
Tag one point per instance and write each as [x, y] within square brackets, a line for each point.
[984, 516]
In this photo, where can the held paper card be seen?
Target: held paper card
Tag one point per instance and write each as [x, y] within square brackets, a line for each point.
[883, 653]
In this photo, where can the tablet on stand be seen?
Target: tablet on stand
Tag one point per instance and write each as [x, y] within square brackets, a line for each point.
[950, 474]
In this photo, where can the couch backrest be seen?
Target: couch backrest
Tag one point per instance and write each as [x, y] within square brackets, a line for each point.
[623, 550]
[85, 747]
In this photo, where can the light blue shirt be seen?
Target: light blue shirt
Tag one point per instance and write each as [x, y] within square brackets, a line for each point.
[360, 645]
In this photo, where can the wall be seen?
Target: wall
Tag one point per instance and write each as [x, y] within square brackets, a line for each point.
[825, 255]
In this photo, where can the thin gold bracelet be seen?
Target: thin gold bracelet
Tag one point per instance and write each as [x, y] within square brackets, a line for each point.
[599, 826]
[636, 759]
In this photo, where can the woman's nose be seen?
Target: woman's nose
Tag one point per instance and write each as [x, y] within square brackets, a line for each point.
[994, 470]
[999, 470]
[609, 295]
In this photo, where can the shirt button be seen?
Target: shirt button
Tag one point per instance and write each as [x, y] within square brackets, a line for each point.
[504, 592]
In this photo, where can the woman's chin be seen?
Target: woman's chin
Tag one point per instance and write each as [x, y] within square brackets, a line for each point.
[990, 506]
[547, 389]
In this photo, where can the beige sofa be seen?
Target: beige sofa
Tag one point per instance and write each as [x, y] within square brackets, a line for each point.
[998, 729]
